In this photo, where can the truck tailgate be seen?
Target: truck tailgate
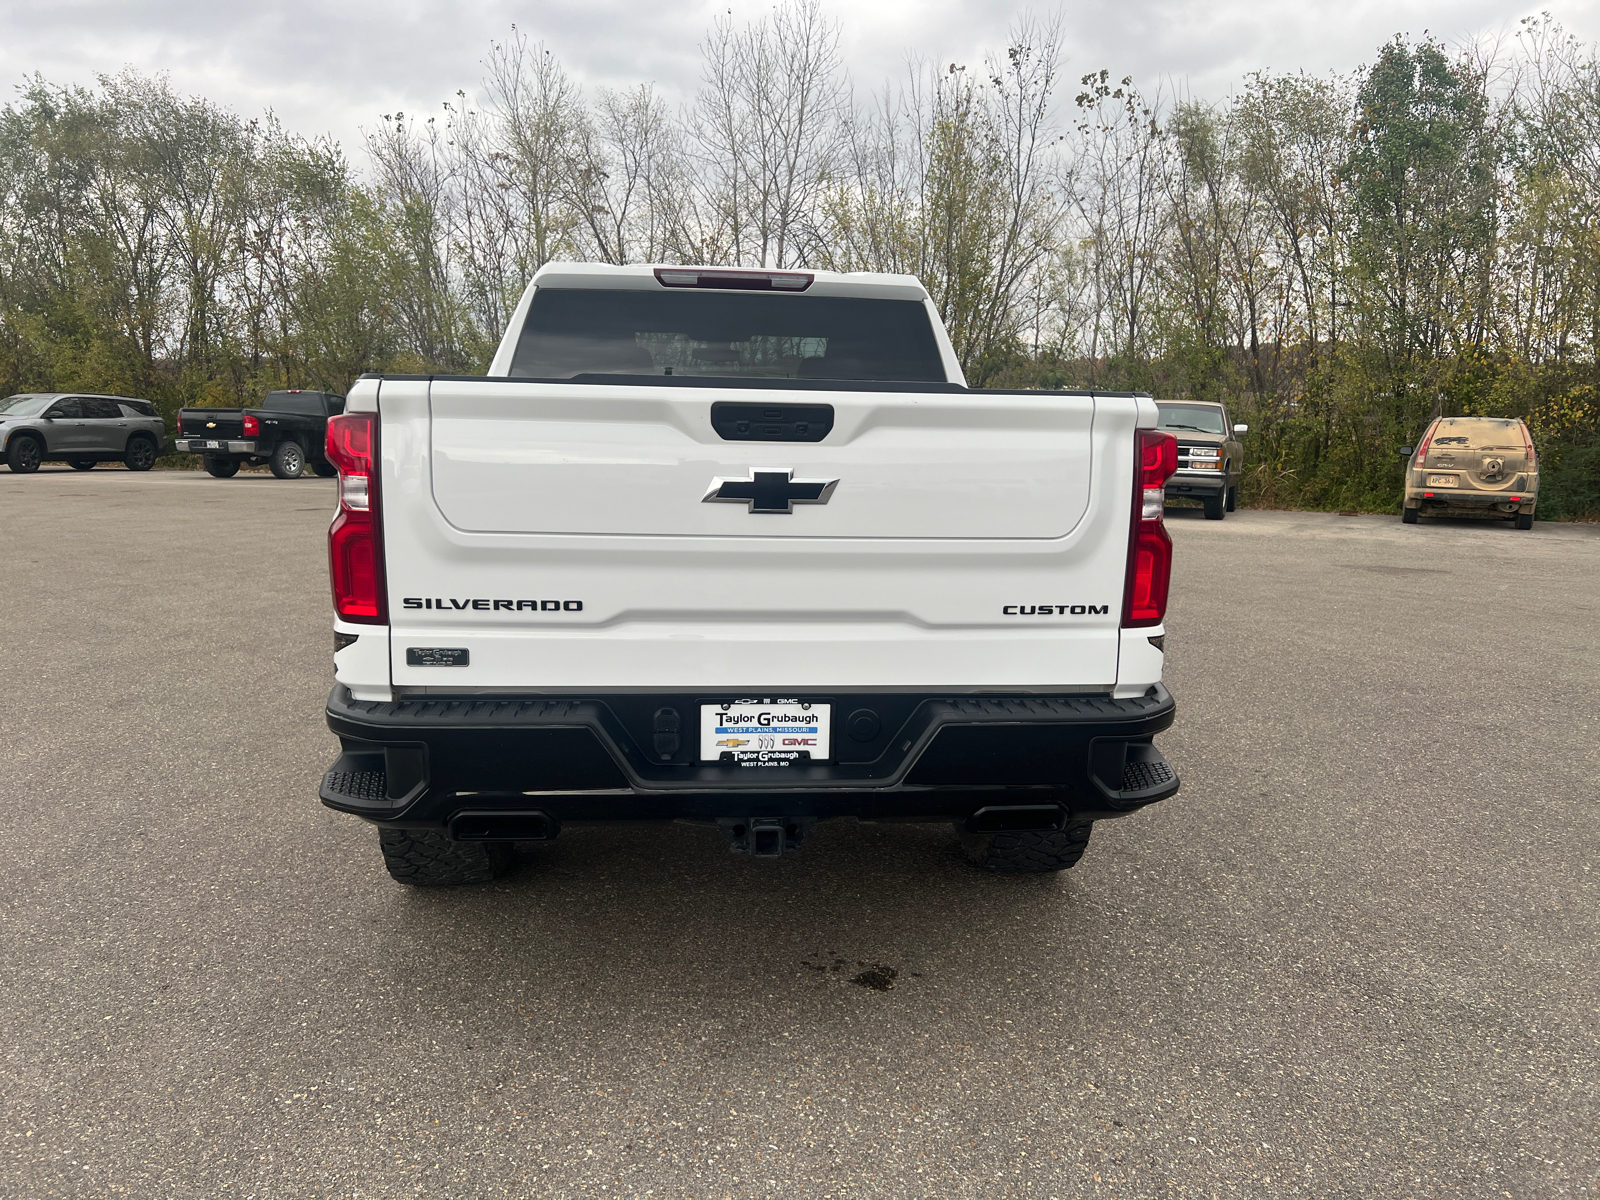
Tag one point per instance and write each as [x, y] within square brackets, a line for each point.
[559, 534]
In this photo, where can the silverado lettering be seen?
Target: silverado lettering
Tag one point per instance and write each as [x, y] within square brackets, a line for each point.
[494, 605]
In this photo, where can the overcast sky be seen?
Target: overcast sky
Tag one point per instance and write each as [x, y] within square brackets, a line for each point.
[333, 68]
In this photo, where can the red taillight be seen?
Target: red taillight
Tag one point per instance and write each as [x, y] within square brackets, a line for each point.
[1422, 450]
[355, 540]
[252, 427]
[1144, 600]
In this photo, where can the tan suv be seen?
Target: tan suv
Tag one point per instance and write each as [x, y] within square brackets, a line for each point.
[1473, 467]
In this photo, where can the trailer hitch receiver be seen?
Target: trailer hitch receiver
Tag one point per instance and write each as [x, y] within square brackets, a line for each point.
[764, 837]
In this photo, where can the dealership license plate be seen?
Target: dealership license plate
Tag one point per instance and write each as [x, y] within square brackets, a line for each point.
[213, 445]
[765, 732]
[1442, 481]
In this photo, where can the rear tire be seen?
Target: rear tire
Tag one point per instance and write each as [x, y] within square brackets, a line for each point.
[140, 454]
[325, 470]
[24, 455]
[1408, 516]
[422, 858]
[1233, 498]
[1216, 506]
[82, 464]
[221, 468]
[1523, 520]
[1033, 853]
[288, 461]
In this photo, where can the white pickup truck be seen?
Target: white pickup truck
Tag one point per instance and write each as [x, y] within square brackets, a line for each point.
[741, 547]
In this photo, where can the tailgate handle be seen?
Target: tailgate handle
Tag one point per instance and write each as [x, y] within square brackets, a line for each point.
[737, 422]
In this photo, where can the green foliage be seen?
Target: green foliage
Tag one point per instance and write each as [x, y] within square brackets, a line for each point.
[158, 246]
[1340, 260]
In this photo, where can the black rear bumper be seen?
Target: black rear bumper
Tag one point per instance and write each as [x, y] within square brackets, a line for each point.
[456, 764]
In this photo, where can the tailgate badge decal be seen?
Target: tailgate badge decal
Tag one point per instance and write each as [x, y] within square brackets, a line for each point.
[770, 490]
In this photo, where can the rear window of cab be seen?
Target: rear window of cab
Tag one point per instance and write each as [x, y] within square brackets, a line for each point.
[574, 332]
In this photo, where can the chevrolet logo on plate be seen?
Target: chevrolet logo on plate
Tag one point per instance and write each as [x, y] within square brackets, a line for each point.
[734, 742]
[770, 490]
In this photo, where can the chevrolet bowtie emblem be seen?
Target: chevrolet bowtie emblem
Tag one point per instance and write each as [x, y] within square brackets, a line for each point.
[770, 490]
[211, 424]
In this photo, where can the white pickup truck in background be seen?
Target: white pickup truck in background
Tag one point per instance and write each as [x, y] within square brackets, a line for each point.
[741, 547]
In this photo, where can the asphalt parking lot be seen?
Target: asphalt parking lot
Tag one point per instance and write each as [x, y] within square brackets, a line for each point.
[1358, 955]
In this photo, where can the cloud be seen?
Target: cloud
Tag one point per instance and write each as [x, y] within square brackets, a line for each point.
[334, 68]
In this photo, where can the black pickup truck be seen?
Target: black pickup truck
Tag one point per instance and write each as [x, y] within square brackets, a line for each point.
[287, 433]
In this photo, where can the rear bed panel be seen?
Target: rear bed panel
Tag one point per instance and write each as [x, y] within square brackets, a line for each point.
[561, 530]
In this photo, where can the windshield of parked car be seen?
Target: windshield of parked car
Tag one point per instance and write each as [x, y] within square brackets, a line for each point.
[1202, 418]
[24, 405]
[589, 331]
[1475, 433]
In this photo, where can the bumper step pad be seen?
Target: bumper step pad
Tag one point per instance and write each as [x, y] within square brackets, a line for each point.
[367, 786]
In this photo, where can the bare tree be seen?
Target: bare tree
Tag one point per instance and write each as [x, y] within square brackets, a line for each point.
[769, 126]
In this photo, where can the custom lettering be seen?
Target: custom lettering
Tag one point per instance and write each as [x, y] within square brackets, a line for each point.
[1052, 610]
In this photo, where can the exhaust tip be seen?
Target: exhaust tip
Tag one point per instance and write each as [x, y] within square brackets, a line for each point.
[1017, 818]
[532, 826]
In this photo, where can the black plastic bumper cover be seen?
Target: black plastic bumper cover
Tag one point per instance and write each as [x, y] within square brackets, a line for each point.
[425, 762]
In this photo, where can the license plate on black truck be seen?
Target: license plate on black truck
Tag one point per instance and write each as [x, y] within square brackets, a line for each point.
[766, 732]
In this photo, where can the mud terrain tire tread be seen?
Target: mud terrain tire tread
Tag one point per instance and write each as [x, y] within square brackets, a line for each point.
[1032, 853]
[422, 858]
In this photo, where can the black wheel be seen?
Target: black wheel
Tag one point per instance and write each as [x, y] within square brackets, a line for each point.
[1216, 506]
[1032, 853]
[1409, 516]
[1523, 520]
[288, 461]
[23, 455]
[81, 464]
[222, 468]
[325, 469]
[140, 455]
[1233, 499]
[426, 859]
